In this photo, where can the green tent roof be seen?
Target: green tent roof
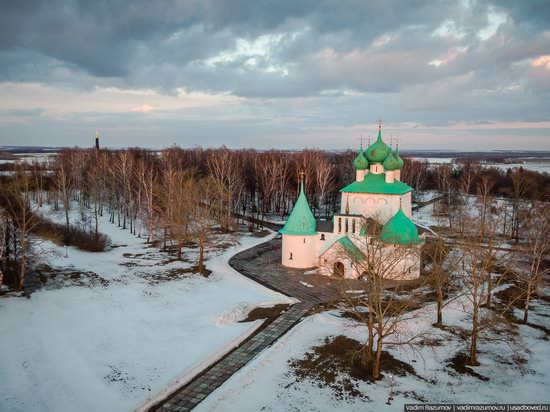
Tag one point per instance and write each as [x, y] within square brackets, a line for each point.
[301, 221]
[348, 246]
[400, 230]
[378, 151]
[376, 183]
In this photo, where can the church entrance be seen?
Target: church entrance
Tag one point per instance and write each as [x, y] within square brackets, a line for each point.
[338, 270]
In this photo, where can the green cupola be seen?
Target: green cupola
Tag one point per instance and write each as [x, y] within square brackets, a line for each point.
[400, 230]
[400, 161]
[390, 163]
[378, 151]
[301, 221]
[361, 162]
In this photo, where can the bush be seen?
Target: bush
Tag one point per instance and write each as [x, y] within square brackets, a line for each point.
[72, 236]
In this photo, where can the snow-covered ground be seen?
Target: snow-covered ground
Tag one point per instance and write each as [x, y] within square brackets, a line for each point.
[270, 384]
[132, 322]
[30, 157]
[541, 167]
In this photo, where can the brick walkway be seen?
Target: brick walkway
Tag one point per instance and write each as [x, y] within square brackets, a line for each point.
[262, 264]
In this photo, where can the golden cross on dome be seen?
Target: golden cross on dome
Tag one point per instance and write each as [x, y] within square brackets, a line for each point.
[302, 175]
[361, 139]
[380, 122]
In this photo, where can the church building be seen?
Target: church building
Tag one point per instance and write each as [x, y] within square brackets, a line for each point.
[375, 215]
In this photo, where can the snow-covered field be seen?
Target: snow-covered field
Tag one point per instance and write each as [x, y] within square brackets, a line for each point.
[30, 157]
[129, 325]
[270, 384]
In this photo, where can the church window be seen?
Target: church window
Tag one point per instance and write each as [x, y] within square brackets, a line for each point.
[323, 236]
[339, 225]
[353, 226]
[347, 226]
[304, 240]
[290, 257]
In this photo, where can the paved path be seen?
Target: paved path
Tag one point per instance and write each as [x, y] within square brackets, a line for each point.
[262, 264]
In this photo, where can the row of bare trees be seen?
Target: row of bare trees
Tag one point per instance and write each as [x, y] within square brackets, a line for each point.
[175, 197]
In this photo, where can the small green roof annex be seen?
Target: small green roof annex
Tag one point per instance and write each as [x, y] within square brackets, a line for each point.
[301, 221]
[400, 230]
[376, 183]
[350, 247]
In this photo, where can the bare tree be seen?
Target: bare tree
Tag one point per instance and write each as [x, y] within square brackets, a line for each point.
[63, 181]
[208, 206]
[529, 276]
[442, 264]
[389, 301]
[324, 176]
[18, 198]
[521, 186]
[225, 167]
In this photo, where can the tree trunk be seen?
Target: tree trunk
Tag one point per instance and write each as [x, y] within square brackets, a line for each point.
[473, 349]
[22, 267]
[67, 214]
[526, 306]
[201, 257]
[376, 363]
[439, 308]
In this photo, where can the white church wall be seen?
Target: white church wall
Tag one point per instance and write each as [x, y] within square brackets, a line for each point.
[377, 206]
[331, 257]
[299, 251]
[409, 267]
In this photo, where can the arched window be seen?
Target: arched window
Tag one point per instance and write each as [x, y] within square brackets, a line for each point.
[347, 226]
[290, 256]
[339, 225]
[353, 226]
[304, 240]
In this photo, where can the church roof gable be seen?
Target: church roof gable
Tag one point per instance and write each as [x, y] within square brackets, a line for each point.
[348, 246]
[376, 183]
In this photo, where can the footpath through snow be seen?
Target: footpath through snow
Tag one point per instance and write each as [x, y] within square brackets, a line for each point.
[113, 328]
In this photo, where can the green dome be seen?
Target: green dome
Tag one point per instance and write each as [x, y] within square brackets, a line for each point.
[378, 151]
[398, 158]
[400, 230]
[301, 220]
[390, 163]
[360, 162]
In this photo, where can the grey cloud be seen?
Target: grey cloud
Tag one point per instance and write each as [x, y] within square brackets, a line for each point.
[323, 53]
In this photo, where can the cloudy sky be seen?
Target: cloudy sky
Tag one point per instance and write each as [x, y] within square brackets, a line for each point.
[275, 73]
